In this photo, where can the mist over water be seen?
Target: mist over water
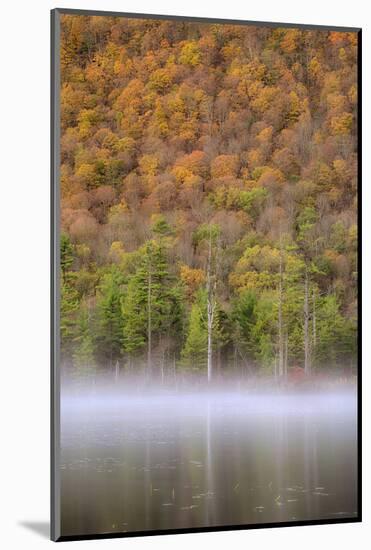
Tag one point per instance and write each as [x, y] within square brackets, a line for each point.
[147, 460]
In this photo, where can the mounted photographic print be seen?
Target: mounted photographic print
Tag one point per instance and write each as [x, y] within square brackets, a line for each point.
[205, 365]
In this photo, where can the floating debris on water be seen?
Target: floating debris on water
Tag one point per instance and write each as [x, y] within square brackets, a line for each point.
[196, 463]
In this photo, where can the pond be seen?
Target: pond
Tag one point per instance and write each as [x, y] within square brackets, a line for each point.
[136, 463]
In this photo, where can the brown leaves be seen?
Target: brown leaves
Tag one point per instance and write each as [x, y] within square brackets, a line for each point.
[225, 165]
[192, 278]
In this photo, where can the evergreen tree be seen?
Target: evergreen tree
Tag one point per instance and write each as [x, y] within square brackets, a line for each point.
[83, 355]
[134, 317]
[66, 254]
[68, 309]
[109, 317]
[194, 352]
[243, 318]
[160, 227]
[336, 335]
[151, 307]
[264, 331]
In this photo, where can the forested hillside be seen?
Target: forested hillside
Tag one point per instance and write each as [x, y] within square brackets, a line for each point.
[208, 182]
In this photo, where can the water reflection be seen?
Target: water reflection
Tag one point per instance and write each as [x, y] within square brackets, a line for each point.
[172, 462]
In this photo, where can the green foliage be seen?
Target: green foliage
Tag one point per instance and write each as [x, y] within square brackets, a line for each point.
[338, 237]
[221, 160]
[264, 330]
[109, 331]
[194, 352]
[306, 222]
[83, 356]
[237, 199]
[151, 293]
[336, 335]
[69, 305]
[161, 227]
[133, 313]
[244, 319]
[66, 254]
[206, 232]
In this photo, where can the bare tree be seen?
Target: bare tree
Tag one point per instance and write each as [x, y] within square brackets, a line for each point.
[314, 321]
[307, 354]
[280, 318]
[211, 305]
[149, 320]
[286, 355]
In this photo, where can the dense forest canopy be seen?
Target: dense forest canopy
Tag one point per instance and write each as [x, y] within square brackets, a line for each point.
[209, 187]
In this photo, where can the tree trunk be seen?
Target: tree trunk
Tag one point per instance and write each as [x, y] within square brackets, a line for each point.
[149, 323]
[219, 360]
[314, 325]
[163, 368]
[174, 371]
[210, 317]
[307, 359]
[209, 348]
[280, 327]
[286, 354]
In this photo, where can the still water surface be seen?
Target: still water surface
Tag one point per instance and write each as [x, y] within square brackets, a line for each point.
[134, 463]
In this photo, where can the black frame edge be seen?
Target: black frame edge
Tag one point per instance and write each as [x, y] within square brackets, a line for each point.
[359, 267]
[55, 527]
[207, 20]
[214, 529]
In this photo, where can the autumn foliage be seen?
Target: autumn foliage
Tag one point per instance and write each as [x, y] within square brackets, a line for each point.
[167, 126]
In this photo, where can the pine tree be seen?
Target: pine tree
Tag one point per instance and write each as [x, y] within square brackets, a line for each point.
[66, 255]
[109, 317]
[134, 318]
[336, 335]
[243, 319]
[194, 353]
[83, 356]
[151, 307]
[264, 331]
[68, 309]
